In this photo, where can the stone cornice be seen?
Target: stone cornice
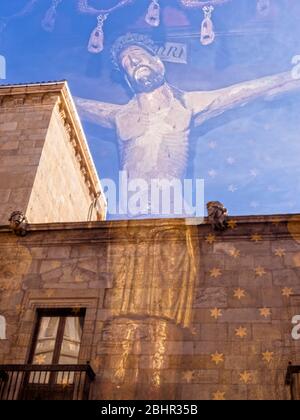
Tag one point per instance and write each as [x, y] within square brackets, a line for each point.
[78, 140]
[57, 95]
[30, 94]
[271, 228]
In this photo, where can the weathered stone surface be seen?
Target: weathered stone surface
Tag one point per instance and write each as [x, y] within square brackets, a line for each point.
[211, 297]
[39, 169]
[160, 321]
[143, 344]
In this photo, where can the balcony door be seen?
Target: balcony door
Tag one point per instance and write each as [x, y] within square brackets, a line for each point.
[56, 343]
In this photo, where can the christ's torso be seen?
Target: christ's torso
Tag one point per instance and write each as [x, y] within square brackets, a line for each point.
[153, 138]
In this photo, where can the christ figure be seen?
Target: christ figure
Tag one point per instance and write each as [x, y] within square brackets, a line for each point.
[154, 127]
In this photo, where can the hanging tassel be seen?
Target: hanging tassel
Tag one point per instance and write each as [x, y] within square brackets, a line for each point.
[3, 23]
[48, 23]
[96, 42]
[153, 14]
[207, 28]
[263, 7]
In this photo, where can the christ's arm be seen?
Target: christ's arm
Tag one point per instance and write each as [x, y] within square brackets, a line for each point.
[207, 105]
[96, 112]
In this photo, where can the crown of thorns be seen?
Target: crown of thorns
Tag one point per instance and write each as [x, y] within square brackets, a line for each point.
[128, 40]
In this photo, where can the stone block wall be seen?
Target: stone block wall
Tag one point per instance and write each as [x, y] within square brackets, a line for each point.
[21, 145]
[45, 167]
[173, 311]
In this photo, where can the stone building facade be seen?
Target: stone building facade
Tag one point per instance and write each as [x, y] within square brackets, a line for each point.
[168, 310]
[46, 168]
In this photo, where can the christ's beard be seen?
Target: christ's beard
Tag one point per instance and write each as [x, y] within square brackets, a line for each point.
[145, 79]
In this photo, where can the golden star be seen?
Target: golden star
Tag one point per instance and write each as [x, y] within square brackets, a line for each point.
[260, 271]
[49, 293]
[245, 377]
[76, 311]
[215, 313]
[215, 273]
[241, 332]
[194, 331]
[287, 292]
[40, 359]
[219, 396]
[235, 253]
[210, 239]
[188, 376]
[268, 356]
[232, 224]
[217, 358]
[20, 309]
[265, 312]
[96, 364]
[280, 252]
[256, 238]
[72, 347]
[239, 294]
[65, 383]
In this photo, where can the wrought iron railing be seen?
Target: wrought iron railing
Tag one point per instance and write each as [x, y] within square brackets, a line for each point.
[293, 381]
[45, 382]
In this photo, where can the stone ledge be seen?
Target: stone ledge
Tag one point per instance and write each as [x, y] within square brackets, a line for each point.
[132, 230]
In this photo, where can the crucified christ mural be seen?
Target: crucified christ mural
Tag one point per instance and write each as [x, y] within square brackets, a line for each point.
[154, 127]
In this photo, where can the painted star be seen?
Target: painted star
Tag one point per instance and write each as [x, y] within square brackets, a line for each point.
[188, 376]
[194, 331]
[239, 294]
[253, 173]
[212, 145]
[212, 173]
[210, 239]
[20, 309]
[76, 311]
[235, 253]
[232, 224]
[287, 292]
[217, 358]
[72, 347]
[268, 356]
[256, 238]
[280, 252]
[265, 312]
[260, 272]
[49, 293]
[241, 332]
[215, 273]
[96, 364]
[230, 160]
[219, 396]
[245, 377]
[232, 188]
[40, 359]
[254, 204]
[65, 383]
[216, 313]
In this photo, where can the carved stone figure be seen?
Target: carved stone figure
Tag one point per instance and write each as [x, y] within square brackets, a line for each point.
[154, 126]
[18, 223]
[217, 215]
